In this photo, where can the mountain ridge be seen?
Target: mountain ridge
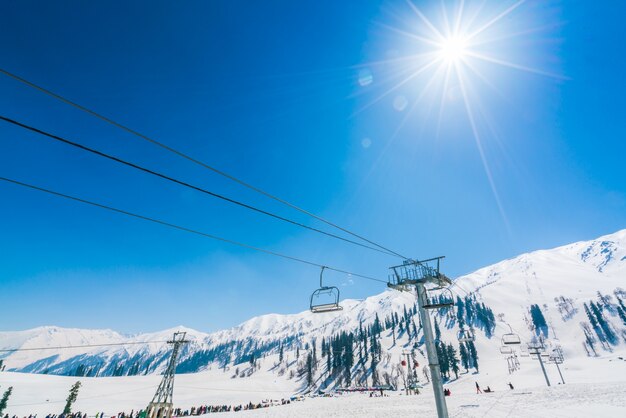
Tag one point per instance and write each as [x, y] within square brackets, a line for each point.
[509, 287]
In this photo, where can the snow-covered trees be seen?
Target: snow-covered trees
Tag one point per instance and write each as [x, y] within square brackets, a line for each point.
[71, 398]
[5, 399]
[541, 327]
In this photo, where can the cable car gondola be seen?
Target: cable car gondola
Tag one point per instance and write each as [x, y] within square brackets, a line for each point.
[326, 298]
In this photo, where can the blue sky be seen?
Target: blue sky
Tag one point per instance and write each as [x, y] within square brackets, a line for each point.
[283, 94]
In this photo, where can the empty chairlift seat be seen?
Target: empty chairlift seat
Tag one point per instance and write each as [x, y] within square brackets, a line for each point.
[466, 335]
[326, 298]
[511, 338]
[442, 300]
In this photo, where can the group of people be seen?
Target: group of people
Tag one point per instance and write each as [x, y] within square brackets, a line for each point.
[178, 412]
[207, 409]
[72, 415]
[488, 390]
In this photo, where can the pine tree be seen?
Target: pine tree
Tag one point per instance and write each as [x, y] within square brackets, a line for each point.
[437, 332]
[464, 356]
[373, 367]
[365, 352]
[280, 353]
[473, 355]
[539, 320]
[442, 355]
[376, 327]
[594, 323]
[606, 328]
[309, 370]
[453, 360]
[622, 314]
[5, 399]
[329, 362]
[459, 312]
[71, 398]
[620, 301]
[348, 361]
[469, 312]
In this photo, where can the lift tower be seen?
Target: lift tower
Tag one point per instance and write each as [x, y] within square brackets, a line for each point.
[420, 274]
[162, 404]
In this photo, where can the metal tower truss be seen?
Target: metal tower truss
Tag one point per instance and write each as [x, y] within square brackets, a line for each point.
[162, 404]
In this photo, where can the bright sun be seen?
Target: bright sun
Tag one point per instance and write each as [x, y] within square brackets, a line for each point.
[453, 49]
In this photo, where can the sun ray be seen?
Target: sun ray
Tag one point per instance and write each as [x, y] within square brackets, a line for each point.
[513, 35]
[444, 94]
[481, 150]
[446, 22]
[438, 34]
[515, 66]
[410, 35]
[459, 16]
[468, 64]
[495, 20]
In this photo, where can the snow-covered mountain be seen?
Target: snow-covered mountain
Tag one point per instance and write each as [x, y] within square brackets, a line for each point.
[560, 282]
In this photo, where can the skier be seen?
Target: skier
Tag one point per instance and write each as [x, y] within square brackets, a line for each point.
[511, 386]
[488, 390]
[478, 388]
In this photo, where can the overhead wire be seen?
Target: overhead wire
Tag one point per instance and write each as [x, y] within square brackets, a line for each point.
[185, 184]
[190, 158]
[63, 347]
[186, 229]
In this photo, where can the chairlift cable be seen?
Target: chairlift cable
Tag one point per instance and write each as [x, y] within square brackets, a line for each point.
[190, 158]
[62, 347]
[185, 184]
[182, 228]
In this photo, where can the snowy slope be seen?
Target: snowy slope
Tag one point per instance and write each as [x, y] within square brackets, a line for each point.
[575, 271]
[266, 329]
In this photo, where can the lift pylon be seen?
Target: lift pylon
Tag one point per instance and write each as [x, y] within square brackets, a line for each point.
[419, 274]
[162, 405]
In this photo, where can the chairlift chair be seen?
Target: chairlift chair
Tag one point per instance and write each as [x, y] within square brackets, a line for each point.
[511, 338]
[445, 299]
[466, 335]
[326, 298]
[505, 349]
